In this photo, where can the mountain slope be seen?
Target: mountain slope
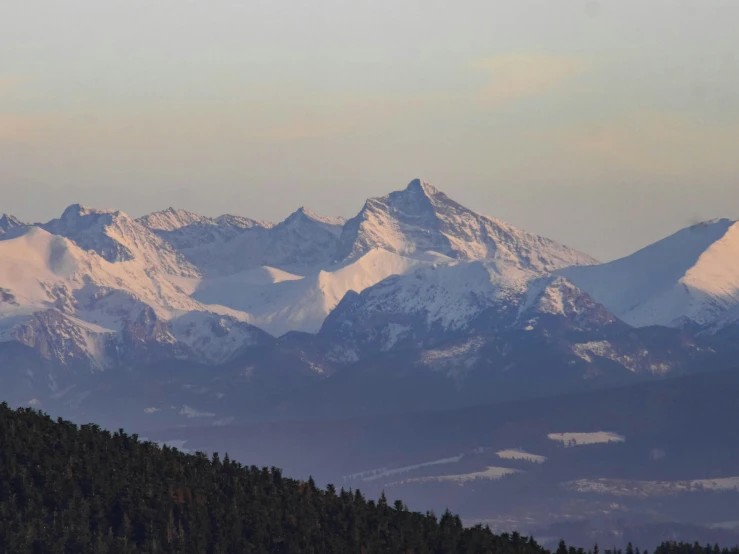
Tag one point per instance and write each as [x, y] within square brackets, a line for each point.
[422, 218]
[85, 489]
[690, 277]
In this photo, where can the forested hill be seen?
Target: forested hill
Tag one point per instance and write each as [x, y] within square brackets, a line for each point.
[69, 489]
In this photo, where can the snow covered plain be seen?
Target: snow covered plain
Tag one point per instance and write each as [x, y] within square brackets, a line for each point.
[381, 473]
[518, 454]
[491, 473]
[644, 489]
[580, 439]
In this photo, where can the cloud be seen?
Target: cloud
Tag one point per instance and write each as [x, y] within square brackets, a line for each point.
[659, 143]
[516, 76]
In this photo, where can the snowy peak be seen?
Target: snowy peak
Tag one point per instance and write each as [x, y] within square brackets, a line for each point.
[76, 211]
[421, 218]
[90, 229]
[187, 232]
[691, 276]
[239, 222]
[305, 216]
[556, 296]
[118, 238]
[171, 219]
[422, 187]
[304, 241]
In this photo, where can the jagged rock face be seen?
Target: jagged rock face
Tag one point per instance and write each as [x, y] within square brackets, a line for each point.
[59, 339]
[421, 219]
[89, 230]
[9, 224]
[237, 221]
[172, 220]
[304, 239]
[303, 242]
[185, 230]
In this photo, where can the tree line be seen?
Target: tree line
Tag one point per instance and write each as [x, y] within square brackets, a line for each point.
[67, 489]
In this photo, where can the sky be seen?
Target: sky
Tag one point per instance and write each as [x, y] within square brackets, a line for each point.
[604, 124]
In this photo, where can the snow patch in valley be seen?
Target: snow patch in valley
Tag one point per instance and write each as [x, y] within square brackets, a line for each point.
[579, 439]
[518, 454]
[393, 333]
[644, 489]
[190, 412]
[455, 359]
[491, 473]
[374, 474]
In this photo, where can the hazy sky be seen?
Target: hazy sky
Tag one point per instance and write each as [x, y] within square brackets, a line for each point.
[603, 124]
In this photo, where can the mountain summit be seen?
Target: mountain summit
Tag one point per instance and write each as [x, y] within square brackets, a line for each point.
[421, 219]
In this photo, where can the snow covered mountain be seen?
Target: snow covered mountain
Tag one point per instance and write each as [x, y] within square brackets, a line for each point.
[117, 238]
[453, 314]
[690, 277]
[391, 235]
[414, 280]
[422, 219]
[186, 230]
[305, 241]
[83, 312]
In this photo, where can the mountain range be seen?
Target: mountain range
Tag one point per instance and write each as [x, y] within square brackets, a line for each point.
[418, 347]
[416, 290]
